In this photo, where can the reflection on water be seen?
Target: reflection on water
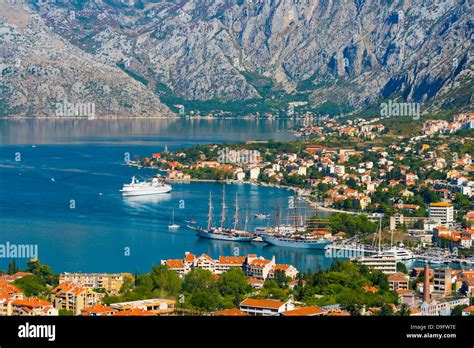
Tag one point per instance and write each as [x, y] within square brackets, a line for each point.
[85, 158]
[141, 201]
[141, 131]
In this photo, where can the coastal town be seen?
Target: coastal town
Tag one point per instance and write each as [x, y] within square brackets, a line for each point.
[417, 186]
[399, 232]
[240, 286]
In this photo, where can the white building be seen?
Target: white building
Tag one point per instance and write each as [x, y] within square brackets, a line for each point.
[256, 307]
[254, 173]
[387, 265]
[444, 308]
[443, 211]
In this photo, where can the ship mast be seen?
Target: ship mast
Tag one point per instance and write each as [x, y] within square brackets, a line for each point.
[295, 212]
[380, 234]
[246, 218]
[223, 208]
[278, 217]
[209, 216]
[236, 216]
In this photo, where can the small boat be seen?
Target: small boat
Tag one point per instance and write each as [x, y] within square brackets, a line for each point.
[436, 261]
[173, 225]
[262, 216]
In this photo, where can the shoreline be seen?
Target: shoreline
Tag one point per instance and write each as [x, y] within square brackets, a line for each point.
[171, 117]
[300, 191]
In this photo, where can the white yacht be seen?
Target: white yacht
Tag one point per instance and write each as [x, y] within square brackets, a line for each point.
[140, 188]
[399, 253]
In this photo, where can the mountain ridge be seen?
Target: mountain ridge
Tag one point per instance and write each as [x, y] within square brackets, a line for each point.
[350, 54]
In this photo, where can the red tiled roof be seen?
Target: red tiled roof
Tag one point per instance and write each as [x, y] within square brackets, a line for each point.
[234, 312]
[338, 314]
[398, 277]
[280, 267]
[231, 260]
[251, 302]
[304, 311]
[469, 309]
[31, 303]
[175, 264]
[98, 309]
[134, 312]
[259, 263]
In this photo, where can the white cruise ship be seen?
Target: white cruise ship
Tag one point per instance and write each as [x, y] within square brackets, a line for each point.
[141, 188]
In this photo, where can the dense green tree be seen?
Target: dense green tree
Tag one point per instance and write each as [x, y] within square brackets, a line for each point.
[404, 310]
[386, 310]
[198, 280]
[233, 282]
[457, 311]
[44, 272]
[401, 267]
[165, 279]
[12, 269]
[31, 285]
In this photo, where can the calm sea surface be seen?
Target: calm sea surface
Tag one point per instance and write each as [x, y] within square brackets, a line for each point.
[59, 183]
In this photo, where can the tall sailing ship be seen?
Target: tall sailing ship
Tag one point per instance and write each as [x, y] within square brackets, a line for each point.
[300, 234]
[222, 232]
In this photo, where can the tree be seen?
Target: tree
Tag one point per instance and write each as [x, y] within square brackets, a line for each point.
[196, 280]
[65, 312]
[44, 272]
[457, 311]
[232, 282]
[281, 279]
[165, 279]
[401, 267]
[204, 300]
[404, 311]
[386, 310]
[12, 269]
[127, 284]
[31, 285]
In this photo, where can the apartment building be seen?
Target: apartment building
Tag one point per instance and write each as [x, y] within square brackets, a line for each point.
[443, 307]
[255, 267]
[107, 281]
[258, 268]
[74, 297]
[442, 211]
[33, 307]
[398, 281]
[442, 282]
[8, 294]
[387, 265]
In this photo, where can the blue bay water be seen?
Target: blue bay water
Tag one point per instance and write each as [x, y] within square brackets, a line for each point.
[59, 183]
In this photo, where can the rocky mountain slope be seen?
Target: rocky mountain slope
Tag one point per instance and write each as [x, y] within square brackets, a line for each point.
[45, 75]
[350, 53]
